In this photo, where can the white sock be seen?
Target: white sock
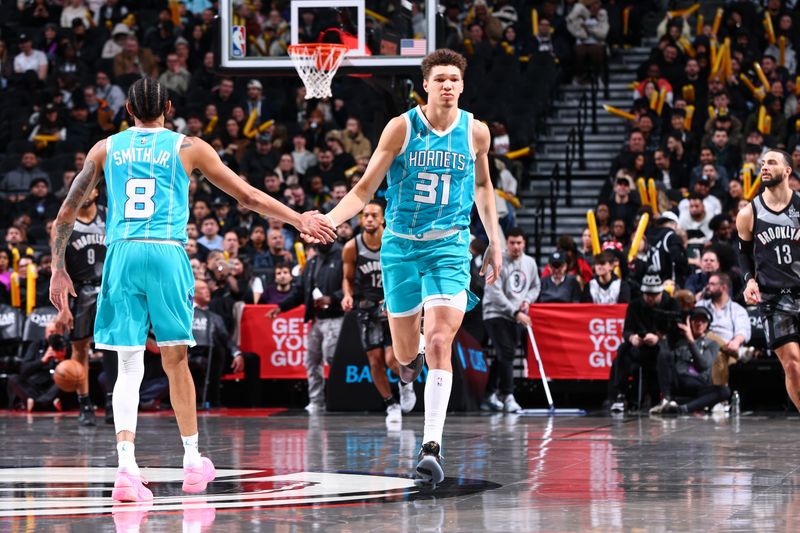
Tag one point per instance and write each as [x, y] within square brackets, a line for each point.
[437, 396]
[127, 459]
[191, 453]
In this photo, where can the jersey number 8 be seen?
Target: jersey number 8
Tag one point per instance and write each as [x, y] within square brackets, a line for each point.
[140, 192]
[428, 185]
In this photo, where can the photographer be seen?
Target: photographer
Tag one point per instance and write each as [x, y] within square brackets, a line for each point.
[34, 384]
[649, 329]
[687, 369]
[730, 327]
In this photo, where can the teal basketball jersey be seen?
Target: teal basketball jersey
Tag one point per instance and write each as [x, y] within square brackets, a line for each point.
[431, 182]
[148, 189]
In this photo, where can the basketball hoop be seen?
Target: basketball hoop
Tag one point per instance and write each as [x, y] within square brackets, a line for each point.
[317, 63]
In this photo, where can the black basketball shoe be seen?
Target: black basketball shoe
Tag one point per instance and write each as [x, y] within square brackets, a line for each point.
[410, 372]
[429, 469]
[86, 414]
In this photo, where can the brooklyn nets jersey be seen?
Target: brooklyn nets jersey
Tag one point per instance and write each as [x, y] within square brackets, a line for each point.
[776, 244]
[369, 279]
[86, 251]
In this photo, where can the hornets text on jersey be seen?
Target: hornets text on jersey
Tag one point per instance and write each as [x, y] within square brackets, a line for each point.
[148, 188]
[431, 182]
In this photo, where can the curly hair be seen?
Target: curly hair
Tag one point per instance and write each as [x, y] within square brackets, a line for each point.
[443, 57]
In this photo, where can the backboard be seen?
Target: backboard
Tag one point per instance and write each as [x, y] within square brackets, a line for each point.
[384, 36]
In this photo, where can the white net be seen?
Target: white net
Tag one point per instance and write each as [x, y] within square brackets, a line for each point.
[317, 65]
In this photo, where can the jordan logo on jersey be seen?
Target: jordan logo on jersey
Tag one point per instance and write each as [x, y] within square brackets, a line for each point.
[778, 232]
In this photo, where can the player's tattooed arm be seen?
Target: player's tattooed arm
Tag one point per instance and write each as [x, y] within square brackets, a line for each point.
[187, 142]
[85, 181]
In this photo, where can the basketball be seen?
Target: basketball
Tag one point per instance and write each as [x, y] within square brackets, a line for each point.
[69, 375]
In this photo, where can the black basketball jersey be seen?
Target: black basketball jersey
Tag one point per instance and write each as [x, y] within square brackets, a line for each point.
[369, 278]
[86, 251]
[776, 244]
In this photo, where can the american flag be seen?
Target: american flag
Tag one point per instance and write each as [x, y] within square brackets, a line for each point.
[413, 47]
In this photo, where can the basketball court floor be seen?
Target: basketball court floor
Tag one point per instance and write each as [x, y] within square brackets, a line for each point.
[284, 471]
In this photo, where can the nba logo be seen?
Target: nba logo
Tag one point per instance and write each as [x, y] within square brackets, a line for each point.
[238, 41]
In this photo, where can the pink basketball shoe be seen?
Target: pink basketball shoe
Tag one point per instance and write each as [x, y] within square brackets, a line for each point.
[130, 488]
[195, 479]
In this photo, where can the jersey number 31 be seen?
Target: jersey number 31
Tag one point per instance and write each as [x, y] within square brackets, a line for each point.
[428, 184]
[140, 192]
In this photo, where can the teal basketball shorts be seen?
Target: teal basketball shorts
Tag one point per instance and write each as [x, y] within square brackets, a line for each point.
[145, 283]
[415, 271]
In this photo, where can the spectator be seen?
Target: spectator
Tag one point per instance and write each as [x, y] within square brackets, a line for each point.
[286, 170]
[105, 90]
[605, 287]
[621, 204]
[646, 332]
[695, 217]
[211, 238]
[134, 62]
[259, 160]
[326, 169]
[696, 283]
[277, 291]
[558, 286]
[5, 269]
[667, 255]
[40, 204]
[115, 44]
[256, 102]
[17, 183]
[505, 307]
[320, 289]
[627, 157]
[175, 78]
[30, 59]
[670, 173]
[576, 265]
[34, 385]
[702, 189]
[687, 369]
[274, 187]
[295, 197]
[75, 9]
[730, 327]
[354, 141]
[588, 23]
[303, 159]
[220, 347]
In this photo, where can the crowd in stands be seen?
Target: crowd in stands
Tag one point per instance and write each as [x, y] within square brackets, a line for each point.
[65, 67]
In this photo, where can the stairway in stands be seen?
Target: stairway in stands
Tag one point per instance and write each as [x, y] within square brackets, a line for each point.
[599, 149]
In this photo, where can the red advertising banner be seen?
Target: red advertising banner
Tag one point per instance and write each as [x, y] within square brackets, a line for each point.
[279, 341]
[576, 341]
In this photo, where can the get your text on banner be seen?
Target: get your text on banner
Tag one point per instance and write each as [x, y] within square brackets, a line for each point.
[279, 341]
[576, 341]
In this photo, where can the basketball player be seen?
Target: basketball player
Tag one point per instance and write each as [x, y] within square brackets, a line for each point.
[363, 289]
[769, 255]
[147, 277]
[436, 159]
[84, 258]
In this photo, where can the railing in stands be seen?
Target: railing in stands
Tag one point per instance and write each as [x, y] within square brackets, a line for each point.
[575, 146]
[539, 214]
